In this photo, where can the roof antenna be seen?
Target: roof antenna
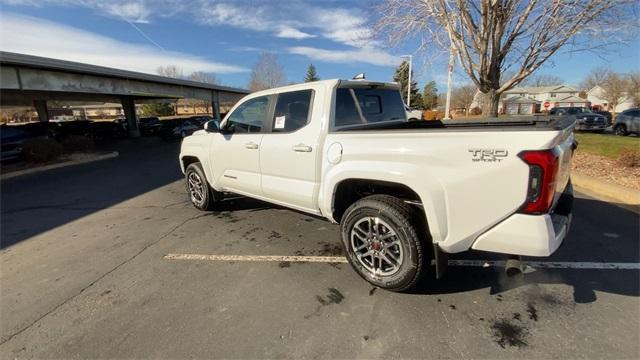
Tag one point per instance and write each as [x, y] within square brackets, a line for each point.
[359, 77]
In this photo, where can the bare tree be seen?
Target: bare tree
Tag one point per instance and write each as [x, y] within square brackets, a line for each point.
[542, 80]
[597, 76]
[633, 88]
[462, 96]
[267, 73]
[203, 77]
[489, 37]
[171, 71]
[614, 89]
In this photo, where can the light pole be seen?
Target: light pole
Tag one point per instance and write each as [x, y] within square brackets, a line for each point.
[409, 84]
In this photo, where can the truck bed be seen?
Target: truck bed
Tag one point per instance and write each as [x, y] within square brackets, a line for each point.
[532, 123]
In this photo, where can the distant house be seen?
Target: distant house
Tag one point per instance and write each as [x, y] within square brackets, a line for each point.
[532, 99]
[100, 111]
[595, 96]
[192, 107]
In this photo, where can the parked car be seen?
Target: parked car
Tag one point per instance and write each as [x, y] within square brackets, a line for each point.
[64, 129]
[102, 130]
[186, 128]
[606, 114]
[627, 122]
[123, 126]
[404, 192]
[166, 129]
[11, 140]
[413, 114]
[149, 125]
[201, 119]
[585, 119]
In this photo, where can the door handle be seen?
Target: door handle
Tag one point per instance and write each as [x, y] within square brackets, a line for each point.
[251, 145]
[301, 148]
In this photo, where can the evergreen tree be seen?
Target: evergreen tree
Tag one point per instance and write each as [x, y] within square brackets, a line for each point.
[312, 75]
[401, 76]
[430, 96]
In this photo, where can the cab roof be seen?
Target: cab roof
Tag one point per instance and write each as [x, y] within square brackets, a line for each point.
[329, 83]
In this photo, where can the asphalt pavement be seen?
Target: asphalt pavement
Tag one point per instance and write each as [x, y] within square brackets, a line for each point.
[84, 274]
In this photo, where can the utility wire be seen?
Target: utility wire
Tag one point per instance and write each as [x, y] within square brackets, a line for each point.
[143, 34]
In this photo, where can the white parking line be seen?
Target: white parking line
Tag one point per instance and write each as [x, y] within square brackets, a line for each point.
[322, 259]
[342, 259]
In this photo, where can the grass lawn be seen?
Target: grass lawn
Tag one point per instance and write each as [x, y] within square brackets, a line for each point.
[607, 145]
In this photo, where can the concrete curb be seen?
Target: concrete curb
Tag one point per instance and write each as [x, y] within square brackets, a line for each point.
[14, 174]
[622, 194]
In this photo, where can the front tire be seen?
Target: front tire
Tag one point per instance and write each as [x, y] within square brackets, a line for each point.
[202, 196]
[381, 237]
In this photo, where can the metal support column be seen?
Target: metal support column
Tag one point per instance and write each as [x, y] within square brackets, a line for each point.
[129, 107]
[41, 108]
[215, 104]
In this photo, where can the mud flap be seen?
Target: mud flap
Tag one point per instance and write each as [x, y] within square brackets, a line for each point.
[441, 259]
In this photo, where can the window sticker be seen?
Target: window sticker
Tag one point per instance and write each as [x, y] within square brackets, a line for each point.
[280, 120]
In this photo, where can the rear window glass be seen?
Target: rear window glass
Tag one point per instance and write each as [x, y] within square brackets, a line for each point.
[292, 111]
[376, 105]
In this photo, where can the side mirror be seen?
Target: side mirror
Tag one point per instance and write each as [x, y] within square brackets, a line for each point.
[212, 126]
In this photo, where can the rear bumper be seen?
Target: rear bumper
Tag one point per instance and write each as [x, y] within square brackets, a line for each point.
[530, 235]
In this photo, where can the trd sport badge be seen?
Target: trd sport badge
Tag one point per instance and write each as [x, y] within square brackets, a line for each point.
[488, 155]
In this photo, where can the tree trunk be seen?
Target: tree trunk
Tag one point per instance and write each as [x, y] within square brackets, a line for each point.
[491, 104]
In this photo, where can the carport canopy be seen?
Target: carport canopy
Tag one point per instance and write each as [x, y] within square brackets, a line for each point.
[27, 80]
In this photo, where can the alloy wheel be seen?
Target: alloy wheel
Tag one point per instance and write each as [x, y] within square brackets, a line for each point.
[376, 246]
[196, 188]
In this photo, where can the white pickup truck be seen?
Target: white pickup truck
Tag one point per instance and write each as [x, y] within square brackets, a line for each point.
[404, 192]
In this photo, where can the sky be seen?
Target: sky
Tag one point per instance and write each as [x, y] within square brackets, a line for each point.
[226, 37]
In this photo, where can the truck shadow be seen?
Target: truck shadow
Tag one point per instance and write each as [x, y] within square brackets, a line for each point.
[601, 232]
[585, 282]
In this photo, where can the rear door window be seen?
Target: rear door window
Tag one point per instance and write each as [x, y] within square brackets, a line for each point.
[292, 111]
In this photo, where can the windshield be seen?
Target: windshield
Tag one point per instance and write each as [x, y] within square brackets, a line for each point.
[371, 105]
[574, 111]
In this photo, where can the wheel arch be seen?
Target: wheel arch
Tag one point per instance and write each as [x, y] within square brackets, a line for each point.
[348, 191]
[187, 160]
[417, 182]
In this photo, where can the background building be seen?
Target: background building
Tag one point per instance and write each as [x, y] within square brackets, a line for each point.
[532, 99]
[596, 96]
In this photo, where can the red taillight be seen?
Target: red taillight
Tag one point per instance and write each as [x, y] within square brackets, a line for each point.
[543, 168]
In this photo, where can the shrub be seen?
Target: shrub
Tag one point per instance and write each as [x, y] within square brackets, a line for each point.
[628, 158]
[76, 143]
[475, 111]
[41, 150]
[432, 115]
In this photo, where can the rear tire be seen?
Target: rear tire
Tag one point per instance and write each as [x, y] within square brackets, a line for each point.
[382, 238]
[202, 196]
[620, 130]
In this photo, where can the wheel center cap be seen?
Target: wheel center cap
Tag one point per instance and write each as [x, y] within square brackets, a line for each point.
[376, 245]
